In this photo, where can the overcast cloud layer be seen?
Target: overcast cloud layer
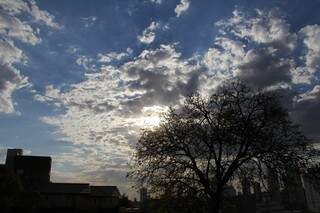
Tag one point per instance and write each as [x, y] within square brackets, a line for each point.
[96, 100]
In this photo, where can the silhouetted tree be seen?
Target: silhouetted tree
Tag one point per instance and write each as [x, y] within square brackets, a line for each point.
[209, 142]
[165, 203]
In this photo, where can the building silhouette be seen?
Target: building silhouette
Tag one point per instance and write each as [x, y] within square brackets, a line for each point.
[143, 194]
[294, 193]
[34, 174]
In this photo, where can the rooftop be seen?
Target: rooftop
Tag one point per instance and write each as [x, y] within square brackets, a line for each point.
[104, 191]
[66, 188]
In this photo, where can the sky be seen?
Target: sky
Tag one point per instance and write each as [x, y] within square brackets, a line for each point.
[80, 79]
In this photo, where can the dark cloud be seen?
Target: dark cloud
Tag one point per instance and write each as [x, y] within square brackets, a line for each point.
[262, 69]
[159, 77]
[7, 75]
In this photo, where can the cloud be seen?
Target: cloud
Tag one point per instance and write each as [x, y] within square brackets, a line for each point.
[13, 28]
[9, 53]
[155, 77]
[182, 7]
[114, 56]
[43, 16]
[86, 62]
[10, 80]
[148, 35]
[159, 76]
[156, 1]
[29, 7]
[261, 49]
[225, 57]
[264, 27]
[311, 40]
[104, 113]
[262, 69]
[14, 7]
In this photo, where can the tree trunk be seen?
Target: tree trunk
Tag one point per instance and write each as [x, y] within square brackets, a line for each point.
[216, 203]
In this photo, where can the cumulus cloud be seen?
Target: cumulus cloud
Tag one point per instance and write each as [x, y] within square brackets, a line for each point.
[13, 28]
[160, 76]
[148, 35]
[225, 57]
[155, 77]
[262, 69]
[182, 7]
[261, 49]
[265, 27]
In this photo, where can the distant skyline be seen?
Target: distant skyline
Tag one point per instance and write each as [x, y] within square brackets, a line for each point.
[79, 79]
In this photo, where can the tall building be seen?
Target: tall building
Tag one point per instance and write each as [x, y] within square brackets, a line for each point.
[256, 188]
[293, 189]
[33, 170]
[34, 173]
[143, 194]
[273, 181]
[246, 186]
[273, 184]
[11, 155]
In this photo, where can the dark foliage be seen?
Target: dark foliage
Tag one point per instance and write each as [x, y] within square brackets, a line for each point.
[210, 142]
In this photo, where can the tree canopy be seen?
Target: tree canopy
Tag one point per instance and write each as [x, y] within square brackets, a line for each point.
[208, 142]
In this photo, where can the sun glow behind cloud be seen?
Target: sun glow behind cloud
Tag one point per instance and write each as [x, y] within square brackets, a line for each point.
[153, 115]
[152, 121]
[150, 117]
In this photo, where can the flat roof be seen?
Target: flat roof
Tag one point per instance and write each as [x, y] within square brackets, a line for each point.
[66, 188]
[105, 191]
